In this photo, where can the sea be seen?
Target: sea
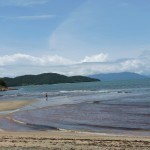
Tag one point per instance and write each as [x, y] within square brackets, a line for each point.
[106, 107]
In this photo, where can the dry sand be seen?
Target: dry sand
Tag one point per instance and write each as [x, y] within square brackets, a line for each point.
[12, 105]
[69, 140]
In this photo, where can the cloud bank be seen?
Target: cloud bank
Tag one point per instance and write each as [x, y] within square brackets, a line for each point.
[34, 17]
[22, 2]
[37, 17]
[20, 64]
[96, 58]
[24, 59]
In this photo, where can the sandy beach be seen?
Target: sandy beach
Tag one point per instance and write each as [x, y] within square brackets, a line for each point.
[65, 139]
[69, 140]
[15, 104]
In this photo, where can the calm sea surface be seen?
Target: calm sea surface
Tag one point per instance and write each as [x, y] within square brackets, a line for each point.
[120, 107]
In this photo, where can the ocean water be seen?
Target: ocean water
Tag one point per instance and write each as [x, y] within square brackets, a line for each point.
[114, 107]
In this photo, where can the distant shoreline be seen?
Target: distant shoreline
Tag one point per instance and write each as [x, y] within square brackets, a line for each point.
[7, 89]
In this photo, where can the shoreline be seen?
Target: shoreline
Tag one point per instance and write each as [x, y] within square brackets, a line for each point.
[71, 140]
[11, 105]
[65, 139]
[7, 89]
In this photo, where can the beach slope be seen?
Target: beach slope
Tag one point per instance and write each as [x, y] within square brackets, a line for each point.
[14, 104]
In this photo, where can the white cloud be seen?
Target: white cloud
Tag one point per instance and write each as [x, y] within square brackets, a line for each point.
[73, 35]
[134, 64]
[37, 17]
[23, 59]
[22, 2]
[20, 64]
[96, 58]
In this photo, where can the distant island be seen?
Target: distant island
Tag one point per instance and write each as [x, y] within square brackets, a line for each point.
[45, 78]
[117, 76]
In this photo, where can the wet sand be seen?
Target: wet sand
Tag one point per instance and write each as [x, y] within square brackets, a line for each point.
[15, 104]
[70, 140]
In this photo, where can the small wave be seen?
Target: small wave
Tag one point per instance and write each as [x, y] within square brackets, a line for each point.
[96, 91]
[77, 91]
[41, 127]
[123, 92]
[8, 111]
[115, 127]
[96, 102]
[33, 126]
[62, 93]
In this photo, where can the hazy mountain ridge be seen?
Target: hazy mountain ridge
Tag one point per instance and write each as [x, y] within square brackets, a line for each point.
[118, 76]
[45, 78]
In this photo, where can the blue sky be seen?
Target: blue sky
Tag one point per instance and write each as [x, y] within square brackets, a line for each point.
[54, 35]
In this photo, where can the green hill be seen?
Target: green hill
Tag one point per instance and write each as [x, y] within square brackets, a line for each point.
[46, 78]
[3, 85]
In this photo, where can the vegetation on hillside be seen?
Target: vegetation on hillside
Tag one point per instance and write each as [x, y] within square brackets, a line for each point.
[46, 78]
[3, 85]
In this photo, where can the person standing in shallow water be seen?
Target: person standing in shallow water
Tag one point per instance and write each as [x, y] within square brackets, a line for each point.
[46, 95]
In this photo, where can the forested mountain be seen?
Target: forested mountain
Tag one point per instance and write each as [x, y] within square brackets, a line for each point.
[46, 78]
